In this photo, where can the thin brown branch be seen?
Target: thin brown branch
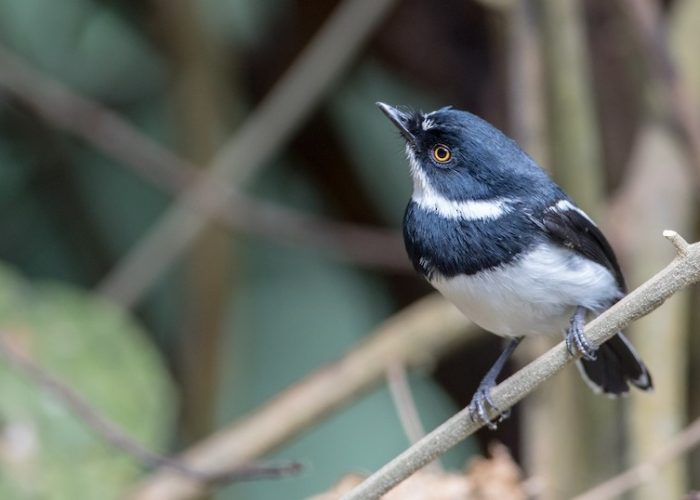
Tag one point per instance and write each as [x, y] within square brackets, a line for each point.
[405, 404]
[110, 134]
[255, 143]
[647, 21]
[682, 443]
[116, 436]
[417, 336]
[681, 272]
[400, 389]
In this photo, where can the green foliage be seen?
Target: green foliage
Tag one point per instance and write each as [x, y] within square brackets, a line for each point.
[84, 44]
[45, 450]
[242, 21]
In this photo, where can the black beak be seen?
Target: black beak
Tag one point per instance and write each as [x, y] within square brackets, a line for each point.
[399, 118]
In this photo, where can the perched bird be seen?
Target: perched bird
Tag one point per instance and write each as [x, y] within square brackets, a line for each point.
[489, 229]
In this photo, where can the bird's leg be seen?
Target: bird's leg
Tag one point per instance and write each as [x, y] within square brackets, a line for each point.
[576, 342]
[477, 406]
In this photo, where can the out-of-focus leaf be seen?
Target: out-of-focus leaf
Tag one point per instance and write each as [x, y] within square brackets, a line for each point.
[497, 478]
[83, 43]
[45, 450]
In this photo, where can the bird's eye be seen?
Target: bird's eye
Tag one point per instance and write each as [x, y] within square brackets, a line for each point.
[442, 153]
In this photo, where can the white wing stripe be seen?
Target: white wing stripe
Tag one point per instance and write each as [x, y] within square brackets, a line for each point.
[566, 205]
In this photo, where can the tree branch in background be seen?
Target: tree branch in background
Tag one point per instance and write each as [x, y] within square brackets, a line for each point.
[683, 271]
[668, 136]
[646, 20]
[417, 336]
[657, 196]
[116, 436]
[574, 141]
[682, 443]
[199, 97]
[400, 389]
[570, 133]
[110, 134]
[255, 143]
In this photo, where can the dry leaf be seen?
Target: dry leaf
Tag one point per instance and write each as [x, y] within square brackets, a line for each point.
[496, 478]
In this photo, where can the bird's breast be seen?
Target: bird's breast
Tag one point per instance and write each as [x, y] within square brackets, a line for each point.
[451, 247]
[534, 294]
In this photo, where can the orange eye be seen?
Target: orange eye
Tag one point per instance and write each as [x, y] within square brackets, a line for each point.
[442, 153]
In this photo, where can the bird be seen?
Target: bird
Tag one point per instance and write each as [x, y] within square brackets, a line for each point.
[496, 236]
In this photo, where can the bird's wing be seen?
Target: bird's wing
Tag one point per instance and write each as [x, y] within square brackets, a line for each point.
[569, 226]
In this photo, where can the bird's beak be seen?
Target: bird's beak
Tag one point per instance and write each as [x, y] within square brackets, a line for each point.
[400, 119]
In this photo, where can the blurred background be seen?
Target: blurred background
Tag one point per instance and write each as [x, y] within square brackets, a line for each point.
[177, 304]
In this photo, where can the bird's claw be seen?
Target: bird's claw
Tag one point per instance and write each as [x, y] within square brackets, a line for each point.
[478, 411]
[577, 343]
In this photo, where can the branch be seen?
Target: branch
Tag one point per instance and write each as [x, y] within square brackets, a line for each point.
[419, 335]
[400, 389]
[645, 17]
[682, 247]
[118, 437]
[683, 271]
[574, 138]
[525, 77]
[257, 141]
[645, 471]
[116, 138]
[657, 197]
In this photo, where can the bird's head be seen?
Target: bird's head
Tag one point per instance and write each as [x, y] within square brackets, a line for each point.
[459, 156]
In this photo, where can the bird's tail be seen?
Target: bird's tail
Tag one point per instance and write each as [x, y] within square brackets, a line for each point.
[616, 366]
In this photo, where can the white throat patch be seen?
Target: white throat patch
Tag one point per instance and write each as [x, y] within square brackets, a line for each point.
[425, 196]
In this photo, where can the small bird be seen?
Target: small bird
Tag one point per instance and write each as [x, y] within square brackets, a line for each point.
[489, 229]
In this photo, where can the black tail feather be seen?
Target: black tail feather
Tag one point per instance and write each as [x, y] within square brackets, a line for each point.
[616, 366]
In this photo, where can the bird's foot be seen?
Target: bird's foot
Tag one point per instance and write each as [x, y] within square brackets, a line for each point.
[576, 341]
[478, 406]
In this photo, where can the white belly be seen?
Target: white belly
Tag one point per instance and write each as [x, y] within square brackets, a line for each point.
[535, 295]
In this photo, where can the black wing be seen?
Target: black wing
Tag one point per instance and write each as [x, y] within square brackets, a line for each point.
[571, 228]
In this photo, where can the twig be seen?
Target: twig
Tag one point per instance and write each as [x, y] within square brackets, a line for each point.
[117, 437]
[257, 141]
[110, 134]
[400, 389]
[646, 19]
[405, 404]
[677, 240]
[683, 271]
[416, 336]
[681, 444]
